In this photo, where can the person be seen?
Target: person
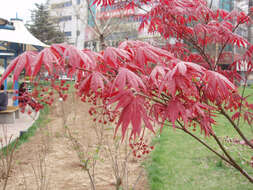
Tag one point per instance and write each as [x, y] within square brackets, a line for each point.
[24, 99]
[3, 99]
[21, 92]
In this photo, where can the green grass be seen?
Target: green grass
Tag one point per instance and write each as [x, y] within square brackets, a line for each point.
[40, 122]
[179, 162]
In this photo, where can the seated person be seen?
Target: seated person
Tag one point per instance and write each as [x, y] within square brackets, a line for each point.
[3, 99]
[24, 98]
[21, 92]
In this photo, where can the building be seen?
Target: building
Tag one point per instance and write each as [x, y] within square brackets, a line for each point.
[114, 23]
[239, 5]
[78, 24]
[124, 23]
[71, 15]
[243, 30]
[244, 5]
[247, 32]
[118, 24]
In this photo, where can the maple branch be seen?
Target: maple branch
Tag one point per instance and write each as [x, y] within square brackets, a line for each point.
[94, 31]
[108, 22]
[194, 43]
[165, 96]
[145, 96]
[230, 161]
[93, 17]
[219, 56]
[202, 142]
[225, 44]
[162, 94]
[233, 163]
[205, 33]
[202, 52]
[138, 5]
[242, 95]
[82, 69]
[108, 30]
[222, 111]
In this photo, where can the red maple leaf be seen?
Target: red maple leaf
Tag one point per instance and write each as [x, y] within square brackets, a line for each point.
[115, 56]
[93, 82]
[47, 58]
[23, 61]
[217, 87]
[125, 78]
[77, 59]
[133, 111]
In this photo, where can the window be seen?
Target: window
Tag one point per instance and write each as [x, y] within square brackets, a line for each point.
[226, 4]
[61, 5]
[65, 18]
[133, 19]
[242, 31]
[67, 4]
[67, 33]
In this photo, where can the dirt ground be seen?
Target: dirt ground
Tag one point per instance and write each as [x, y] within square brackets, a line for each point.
[55, 158]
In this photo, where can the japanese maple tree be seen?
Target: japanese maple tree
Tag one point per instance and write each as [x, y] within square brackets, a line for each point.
[139, 85]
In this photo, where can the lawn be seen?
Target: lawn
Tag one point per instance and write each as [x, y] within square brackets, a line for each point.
[179, 162]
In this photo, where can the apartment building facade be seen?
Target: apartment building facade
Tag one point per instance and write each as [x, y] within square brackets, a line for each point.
[78, 23]
[71, 15]
[79, 27]
[239, 5]
[243, 30]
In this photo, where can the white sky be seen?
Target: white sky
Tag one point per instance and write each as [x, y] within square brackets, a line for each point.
[9, 8]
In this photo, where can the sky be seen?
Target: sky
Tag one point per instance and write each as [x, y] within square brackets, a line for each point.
[9, 8]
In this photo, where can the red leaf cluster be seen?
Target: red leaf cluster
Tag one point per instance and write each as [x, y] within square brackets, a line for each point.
[137, 83]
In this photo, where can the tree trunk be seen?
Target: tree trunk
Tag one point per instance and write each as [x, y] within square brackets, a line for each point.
[102, 45]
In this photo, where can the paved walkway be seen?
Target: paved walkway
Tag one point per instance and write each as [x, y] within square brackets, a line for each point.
[9, 132]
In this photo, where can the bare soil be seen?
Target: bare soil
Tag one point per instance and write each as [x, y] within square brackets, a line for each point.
[52, 160]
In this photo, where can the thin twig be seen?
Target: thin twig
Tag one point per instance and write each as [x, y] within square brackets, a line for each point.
[225, 44]
[9, 160]
[138, 178]
[233, 163]
[223, 112]
[202, 142]
[242, 96]
[93, 17]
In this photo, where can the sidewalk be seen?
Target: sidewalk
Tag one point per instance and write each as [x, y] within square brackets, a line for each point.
[12, 131]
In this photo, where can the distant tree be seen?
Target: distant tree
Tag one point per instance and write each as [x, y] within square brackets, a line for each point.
[43, 27]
